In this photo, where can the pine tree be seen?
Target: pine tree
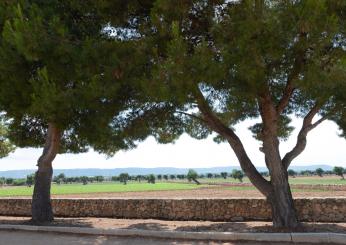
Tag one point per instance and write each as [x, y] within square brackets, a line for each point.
[67, 81]
[217, 63]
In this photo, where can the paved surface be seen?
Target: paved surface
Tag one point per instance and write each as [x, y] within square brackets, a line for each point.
[35, 238]
[174, 225]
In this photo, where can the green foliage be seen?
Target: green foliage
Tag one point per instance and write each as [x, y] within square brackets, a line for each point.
[151, 178]
[9, 181]
[339, 171]
[292, 173]
[19, 182]
[59, 65]
[192, 175]
[84, 180]
[238, 174]
[30, 180]
[6, 146]
[123, 178]
[319, 172]
[99, 178]
[234, 53]
[223, 175]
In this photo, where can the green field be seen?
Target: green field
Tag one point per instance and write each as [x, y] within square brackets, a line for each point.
[97, 188]
[159, 186]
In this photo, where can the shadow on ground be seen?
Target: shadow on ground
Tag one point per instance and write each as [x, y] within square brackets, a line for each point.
[164, 225]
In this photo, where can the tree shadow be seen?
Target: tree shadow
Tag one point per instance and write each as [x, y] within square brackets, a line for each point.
[148, 226]
[253, 227]
[219, 227]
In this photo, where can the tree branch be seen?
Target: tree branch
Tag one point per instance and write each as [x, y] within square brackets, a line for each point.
[191, 115]
[212, 121]
[301, 138]
[288, 92]
[289, 88]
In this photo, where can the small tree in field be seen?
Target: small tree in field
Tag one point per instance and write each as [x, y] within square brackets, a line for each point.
[238, 175]
[223, 175]
[99, 178]
[123, 178]
[192, 175]
[209, 175]
[339, 171]
[84, 180]
[319, 172]
[30, 180]
[151, 178]
[292, 173]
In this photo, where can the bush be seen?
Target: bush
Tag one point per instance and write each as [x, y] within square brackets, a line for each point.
[151, 178]
[339, 171]
[19, 182]
[238, 174]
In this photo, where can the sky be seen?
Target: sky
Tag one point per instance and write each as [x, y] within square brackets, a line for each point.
[324, 147]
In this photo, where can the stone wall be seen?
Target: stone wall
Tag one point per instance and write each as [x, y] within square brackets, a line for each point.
[314, 209]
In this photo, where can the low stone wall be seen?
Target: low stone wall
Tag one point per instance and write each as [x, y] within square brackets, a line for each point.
[314, 209]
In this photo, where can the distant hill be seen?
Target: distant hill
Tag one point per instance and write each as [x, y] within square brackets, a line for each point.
[143, 171]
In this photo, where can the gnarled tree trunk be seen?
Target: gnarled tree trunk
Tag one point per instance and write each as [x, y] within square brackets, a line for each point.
[277, 190]
[280, 196]
[281, 201]
[41, 202]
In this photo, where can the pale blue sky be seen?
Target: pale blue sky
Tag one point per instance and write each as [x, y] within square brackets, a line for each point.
[324, 147]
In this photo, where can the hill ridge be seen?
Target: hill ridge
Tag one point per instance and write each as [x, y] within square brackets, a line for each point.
[144, 171]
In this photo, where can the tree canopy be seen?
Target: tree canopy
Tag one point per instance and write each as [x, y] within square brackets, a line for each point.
[57, 66]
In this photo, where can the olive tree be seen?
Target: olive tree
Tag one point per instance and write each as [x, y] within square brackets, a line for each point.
[193, 175]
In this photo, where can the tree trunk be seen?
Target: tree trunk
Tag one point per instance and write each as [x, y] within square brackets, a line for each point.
[281, 201]
[196, 181]
[41, 203]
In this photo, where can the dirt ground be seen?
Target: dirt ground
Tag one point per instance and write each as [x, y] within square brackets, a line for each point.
[164, 225]
[210, 192]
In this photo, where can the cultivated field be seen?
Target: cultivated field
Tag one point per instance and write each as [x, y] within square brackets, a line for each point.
[210, 188]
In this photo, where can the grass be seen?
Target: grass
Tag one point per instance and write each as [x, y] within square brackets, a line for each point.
[97, 188]
[159, 186]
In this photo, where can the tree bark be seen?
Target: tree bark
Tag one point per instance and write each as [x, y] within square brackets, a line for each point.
[196, 181]
[41, 202]
[280, 198]
[281, 201]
